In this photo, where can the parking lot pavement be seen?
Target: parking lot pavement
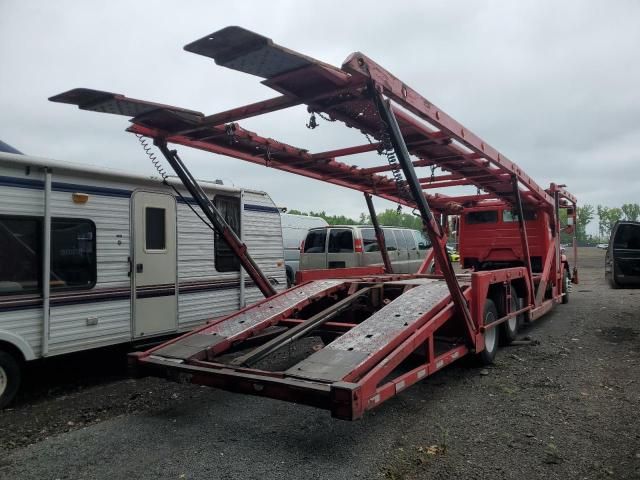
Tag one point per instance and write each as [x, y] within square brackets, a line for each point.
[566, 408]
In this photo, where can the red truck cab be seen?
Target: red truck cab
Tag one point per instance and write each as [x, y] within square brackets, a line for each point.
[489, 237]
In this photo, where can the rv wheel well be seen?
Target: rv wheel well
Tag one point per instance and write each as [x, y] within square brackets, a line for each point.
[12, 350]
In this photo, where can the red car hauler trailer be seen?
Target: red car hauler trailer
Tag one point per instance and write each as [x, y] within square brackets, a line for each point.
[374, 332]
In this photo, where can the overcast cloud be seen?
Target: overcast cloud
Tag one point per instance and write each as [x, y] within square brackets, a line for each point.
[553, 85]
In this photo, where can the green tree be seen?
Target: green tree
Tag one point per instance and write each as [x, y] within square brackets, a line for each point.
[585, 214]
[393, 218]
[607, 217]
[631, 211]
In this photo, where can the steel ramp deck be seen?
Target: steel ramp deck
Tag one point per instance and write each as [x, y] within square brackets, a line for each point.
[331, 377]
[373, 337]
[251, 319]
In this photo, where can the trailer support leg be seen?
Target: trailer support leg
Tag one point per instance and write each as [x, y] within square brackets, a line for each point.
[433, 229]
[216, 219]
[523, 236]
[379, 234]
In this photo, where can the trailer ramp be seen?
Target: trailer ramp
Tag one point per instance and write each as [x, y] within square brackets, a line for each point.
[335, 377]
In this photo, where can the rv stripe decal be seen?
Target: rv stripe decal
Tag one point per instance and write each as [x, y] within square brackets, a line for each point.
[107, 295]
[260, 208]
[64, 187]
[102, 191]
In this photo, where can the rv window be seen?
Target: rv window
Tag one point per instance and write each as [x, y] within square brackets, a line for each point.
[340, 241]
[73, 253]
[225, 259]
[155, 234]
[423, 242]
[314, 243]
[486, 216]
[389, 240]
[512, 216]
[20, 244]
[369, 240]
[408, 237]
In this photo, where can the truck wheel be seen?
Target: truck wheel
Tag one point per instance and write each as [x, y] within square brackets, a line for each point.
[565, 286]
[9, 378]
[509, 329]
[489, 315]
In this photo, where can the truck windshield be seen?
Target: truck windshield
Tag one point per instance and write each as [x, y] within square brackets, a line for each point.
[486, 216]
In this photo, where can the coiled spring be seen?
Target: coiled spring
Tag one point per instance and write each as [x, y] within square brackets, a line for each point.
[146, 146]
[389, 152]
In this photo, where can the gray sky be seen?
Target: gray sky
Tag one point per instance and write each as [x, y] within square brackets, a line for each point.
[553, 85]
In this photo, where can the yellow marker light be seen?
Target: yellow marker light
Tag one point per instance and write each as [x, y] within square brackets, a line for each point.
[80, 197]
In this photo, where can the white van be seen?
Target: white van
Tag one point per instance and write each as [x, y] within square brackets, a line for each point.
[343, 246]
[294, 231]
[91, 257]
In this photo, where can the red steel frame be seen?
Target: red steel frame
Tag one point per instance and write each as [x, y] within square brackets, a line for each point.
[434, 139]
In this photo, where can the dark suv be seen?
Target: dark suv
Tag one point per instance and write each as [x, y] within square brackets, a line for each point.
[622, 260]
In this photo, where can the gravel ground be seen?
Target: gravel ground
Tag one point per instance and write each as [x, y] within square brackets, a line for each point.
[568, 408]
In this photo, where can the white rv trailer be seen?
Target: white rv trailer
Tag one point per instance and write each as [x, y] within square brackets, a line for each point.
[294, 231]
[91, 257]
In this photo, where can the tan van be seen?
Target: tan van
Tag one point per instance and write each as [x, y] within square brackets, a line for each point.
[343, 246]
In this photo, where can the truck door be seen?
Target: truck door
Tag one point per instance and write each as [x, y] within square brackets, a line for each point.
[413, 254]
[370, 248]
[340, 251]
[153, 269]
[401, 264]
[314, 250]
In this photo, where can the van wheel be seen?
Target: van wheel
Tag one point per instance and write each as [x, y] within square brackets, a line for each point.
[565, 286]
[509, 329]
[10, 376]
[289, 274]
[489, 315]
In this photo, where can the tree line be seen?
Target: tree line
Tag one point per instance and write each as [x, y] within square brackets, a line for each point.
[605, 216]
[390, 217]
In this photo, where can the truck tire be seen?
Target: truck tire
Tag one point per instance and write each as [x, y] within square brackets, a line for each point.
[10, 376]
[489, 315]
[565, 286]
[509, 329]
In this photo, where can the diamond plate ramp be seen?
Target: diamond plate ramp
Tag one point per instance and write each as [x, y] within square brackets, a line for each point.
[374, 335]
[263, 313]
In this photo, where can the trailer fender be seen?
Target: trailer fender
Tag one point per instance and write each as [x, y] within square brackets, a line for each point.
[19, 343]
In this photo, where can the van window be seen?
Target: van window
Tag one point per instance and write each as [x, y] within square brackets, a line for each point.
[486, 216]
[73, 253]
[423, 242]
[627, 237]
[512, 216]
[20, 261]
[340, 241]
[408, 238]
[225, 260]
[369, 240]
[402, 243]
[154, 228]
[389, 240]
[315, 241]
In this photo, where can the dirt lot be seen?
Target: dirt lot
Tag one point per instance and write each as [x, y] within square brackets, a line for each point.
[568, 408]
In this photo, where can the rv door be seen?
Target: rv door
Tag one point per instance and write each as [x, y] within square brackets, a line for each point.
[153, 269]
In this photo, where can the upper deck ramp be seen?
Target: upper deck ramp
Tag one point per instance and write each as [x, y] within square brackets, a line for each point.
[341, 94]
